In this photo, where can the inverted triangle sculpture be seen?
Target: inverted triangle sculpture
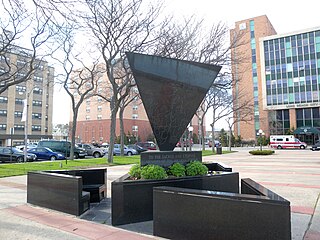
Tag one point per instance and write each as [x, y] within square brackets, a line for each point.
[171, 91]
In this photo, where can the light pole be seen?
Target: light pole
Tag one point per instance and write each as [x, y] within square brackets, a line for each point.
[25, 120]
[190, 137]
[260, 133]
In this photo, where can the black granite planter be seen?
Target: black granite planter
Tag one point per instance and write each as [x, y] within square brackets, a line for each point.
[132, 200]
[256, 213]
[69, 191]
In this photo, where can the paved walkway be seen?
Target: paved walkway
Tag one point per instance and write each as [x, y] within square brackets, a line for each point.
[293, 174]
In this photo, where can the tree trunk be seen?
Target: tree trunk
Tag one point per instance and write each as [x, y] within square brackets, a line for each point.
[121, 131]
[202, 135]
[230, 138]
[73, 133]
[114, 110]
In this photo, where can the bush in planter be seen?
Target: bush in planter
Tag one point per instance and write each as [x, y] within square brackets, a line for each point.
[177, 170]
[135, 171]
[153, 172]
[263, 152]
[196, 168]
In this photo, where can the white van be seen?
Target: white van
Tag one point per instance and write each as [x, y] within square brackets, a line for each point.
[286, 141]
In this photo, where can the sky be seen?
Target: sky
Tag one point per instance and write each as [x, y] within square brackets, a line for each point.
[286, 16]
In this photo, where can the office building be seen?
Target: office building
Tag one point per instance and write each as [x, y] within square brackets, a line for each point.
[283, 80]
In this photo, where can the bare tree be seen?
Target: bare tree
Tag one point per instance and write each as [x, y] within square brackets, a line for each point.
[245, 108]
[191, 41]
[78, 83]
[132, 96]
[119, 26]
[18, 25]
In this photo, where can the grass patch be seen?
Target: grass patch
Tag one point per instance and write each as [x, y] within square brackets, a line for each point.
[15, 169]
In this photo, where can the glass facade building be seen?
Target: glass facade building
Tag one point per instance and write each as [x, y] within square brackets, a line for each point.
[290, 71]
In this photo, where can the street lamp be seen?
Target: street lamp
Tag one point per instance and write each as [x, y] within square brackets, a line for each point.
[190, 136]
[25, 118]
[260, 133]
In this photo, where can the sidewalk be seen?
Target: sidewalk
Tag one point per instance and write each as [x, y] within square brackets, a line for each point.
[294, 175]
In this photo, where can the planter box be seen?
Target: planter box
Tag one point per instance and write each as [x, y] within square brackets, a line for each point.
[181, 213]
[132, 200]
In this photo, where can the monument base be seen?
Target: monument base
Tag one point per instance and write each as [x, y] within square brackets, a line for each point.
[167, 158]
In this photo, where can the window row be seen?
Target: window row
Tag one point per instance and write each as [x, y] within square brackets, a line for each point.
[292, 98]
[284, 60]
[303, 39]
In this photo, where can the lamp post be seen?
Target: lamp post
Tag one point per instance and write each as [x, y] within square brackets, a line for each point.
[25, 120]
[190, 137]
[260, 133]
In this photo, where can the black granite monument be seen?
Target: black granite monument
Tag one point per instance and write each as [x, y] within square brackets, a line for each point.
[171, 91]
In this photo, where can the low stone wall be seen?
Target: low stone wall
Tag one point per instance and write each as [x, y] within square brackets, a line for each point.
[132, 200]
[180, 213]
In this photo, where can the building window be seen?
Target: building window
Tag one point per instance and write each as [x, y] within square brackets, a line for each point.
[100, 99]
[37, 103]
[99, 117]
[88, 109]
[37, 91]
[3, 126]
[88, 101]
[36, 115]
[134, 128]
[3, 99]
[37, 79]
[18, 127]
[3, 112]
[21, 88]
[87, 117]
[134, 116]
[99, 108]
[36, 128]
[18, 114]
[134, 107]
[19, 101]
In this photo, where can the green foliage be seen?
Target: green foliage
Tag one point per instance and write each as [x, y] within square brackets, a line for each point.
[153, 172]
[177, 170]
[263, 140]
[237, 141]
[290, 131]
[195, 138]
[223, 138]
[263, 152]
[135, 171]
[196, 168]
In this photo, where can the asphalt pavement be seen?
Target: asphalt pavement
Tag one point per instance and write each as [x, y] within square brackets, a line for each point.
[292, 174]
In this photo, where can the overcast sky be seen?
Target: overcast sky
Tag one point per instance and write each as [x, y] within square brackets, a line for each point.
[286, 16]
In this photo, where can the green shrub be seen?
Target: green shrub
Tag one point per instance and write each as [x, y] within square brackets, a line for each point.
[153, 172]
[177, 170]
[263, 152]
[135, 171]
[196, 168]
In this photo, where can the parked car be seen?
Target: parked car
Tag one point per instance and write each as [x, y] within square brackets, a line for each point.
[62, 147]
[137, 148]
[216, 143]
[147, 145]
[46, 153]
[127, 151]
[29, 146]
[316, 146]
[7, 154]
[92, 150]
[185, 143]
